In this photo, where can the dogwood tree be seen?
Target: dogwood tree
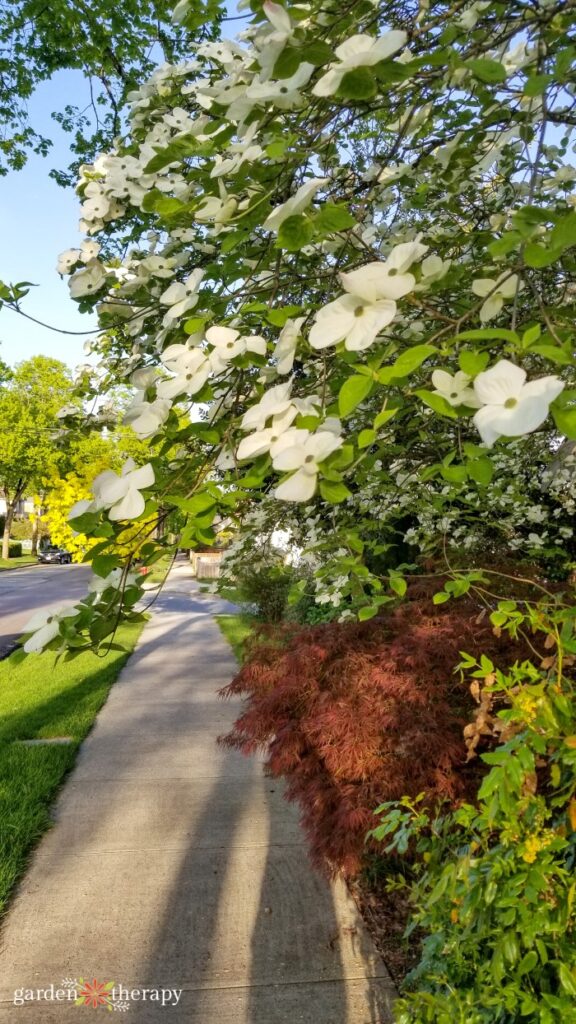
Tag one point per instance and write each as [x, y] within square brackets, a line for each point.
[342, 244]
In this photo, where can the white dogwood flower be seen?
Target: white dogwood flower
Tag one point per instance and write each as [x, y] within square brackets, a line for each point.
[503, 289]
[181, 296]
[45, 626]
[278, 17]
[457, 389]
[285, 93]
[358, 51]
[271, 439]
[87, 281]
[120, 494]
[144, 417]
[220, 210]
[274, 402]
[228, 343]
[67, 260]
[296, 204]
[370, 305]
[286, 345]
[303, 455]
[191, 369]
[510, 406]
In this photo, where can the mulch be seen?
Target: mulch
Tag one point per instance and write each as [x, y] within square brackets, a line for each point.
[386, 914]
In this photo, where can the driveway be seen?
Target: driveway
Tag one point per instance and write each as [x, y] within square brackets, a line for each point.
[25, 591]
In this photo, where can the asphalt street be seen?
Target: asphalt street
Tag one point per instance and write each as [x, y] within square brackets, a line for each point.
[25, 591]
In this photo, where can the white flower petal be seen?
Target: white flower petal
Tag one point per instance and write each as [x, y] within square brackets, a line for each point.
[130, 507]
[491, 307]
[255, 444]
[39, 640]
[299, 487]
[79, 508]
[221, 335]
[485, 427]
[502, 381]
[142, 477]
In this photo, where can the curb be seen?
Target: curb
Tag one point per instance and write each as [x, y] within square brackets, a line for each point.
[16, 568]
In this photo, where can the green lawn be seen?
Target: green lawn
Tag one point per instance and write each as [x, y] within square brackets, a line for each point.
[11, 563]
[41, 699]
[236, 628]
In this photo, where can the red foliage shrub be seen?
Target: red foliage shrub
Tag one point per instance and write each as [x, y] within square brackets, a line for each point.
[355, 714]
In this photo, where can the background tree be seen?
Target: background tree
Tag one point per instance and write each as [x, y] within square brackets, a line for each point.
[113, 45]
[83, 457]
[30, 430]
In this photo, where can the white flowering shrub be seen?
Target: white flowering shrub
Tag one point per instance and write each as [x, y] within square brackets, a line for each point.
[334, 258]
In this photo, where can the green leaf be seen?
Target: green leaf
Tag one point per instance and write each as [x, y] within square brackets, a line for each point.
[406, 363]
[334, 492]
[102, 627]
[528, 962]
[536, 85]
[276, 150]
[410, 360]
[540, 256]
[567, 979]
[278, 317]
[334, 217]
[473, 362]
[563, 234]
[318, 52]
[502, 246]
[288, 62]
[454, 474]
[358, 84]
[531, 334]
[481, 470]
[386, 414]
[487, 70]
[102, 565]
[366, 438]
[85, 523]
[565, 420]
[195, 505]
[367, 612]
[441, 597]
[437, 402]
[398, 585]
[295, 233]
[353, 391]
[488, 334]
[557, 355]
[195, 324]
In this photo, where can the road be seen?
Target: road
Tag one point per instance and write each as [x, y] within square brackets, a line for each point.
[25, 591]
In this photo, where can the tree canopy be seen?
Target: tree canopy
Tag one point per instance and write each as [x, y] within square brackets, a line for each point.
[29, 402]
[111, 45]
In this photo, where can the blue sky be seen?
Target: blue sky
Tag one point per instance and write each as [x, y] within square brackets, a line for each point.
[39, 220]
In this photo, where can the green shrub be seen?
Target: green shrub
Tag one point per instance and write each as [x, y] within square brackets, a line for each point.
[21, 529]
[263, 590]
[15, 550]
[494, 889]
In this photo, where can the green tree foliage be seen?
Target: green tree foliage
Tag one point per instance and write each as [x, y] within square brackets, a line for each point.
[112, 44]
[29, 429]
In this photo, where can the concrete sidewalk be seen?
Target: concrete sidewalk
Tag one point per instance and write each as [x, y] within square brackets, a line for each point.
[176, 864]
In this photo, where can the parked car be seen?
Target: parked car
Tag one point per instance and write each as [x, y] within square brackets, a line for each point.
[52, 555]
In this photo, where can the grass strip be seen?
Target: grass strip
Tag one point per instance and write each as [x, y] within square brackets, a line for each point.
[236, 629]
[13, 563]
[41, 699]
